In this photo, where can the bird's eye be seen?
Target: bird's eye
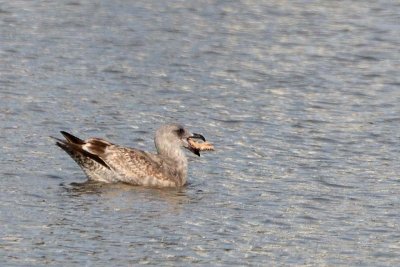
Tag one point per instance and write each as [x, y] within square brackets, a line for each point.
[180, 131]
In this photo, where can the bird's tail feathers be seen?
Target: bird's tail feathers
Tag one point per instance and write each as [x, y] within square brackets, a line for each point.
[75, 146]
[72, 139]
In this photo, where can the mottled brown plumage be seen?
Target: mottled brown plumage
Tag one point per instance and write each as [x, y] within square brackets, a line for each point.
[106, 162]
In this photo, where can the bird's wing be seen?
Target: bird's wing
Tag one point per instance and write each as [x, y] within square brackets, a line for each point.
[133, 165]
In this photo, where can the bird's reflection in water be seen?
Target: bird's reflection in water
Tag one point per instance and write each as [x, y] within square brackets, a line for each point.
[132, 194]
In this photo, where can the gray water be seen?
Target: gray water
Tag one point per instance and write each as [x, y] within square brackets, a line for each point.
[300, 98]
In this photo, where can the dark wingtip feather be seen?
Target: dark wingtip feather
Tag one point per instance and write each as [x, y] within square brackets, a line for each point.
[57, 139]
[72, 149]
[61, 145]
[72, 139]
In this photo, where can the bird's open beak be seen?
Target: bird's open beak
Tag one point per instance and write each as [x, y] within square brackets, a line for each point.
[193, 149]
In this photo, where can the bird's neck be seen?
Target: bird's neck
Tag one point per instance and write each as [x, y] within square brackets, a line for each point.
[176, 155]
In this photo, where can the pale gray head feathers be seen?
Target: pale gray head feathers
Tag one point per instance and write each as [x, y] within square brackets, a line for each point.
[170, 139]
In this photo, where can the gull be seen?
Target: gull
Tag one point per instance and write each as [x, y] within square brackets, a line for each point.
[106, 162]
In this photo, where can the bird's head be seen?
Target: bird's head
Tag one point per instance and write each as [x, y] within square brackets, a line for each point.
[175, 136]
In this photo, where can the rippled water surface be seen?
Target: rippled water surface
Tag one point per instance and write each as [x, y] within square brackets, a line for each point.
[301, 99]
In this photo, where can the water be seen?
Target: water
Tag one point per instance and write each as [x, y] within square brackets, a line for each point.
[301, 99]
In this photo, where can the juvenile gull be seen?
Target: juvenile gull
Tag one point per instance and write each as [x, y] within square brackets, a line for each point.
[106, 162]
